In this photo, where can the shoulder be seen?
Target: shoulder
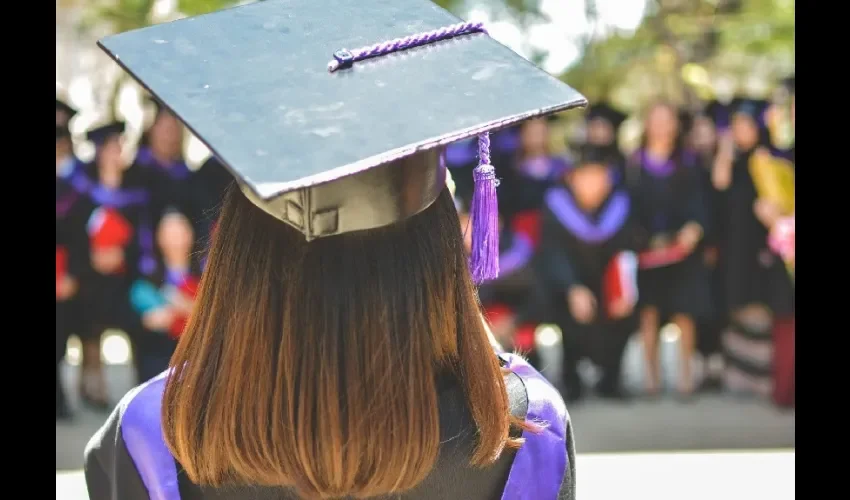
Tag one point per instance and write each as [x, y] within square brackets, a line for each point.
[130, 445]
[548, 452]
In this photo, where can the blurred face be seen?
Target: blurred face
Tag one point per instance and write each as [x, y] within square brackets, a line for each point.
[174, 237]
[109, 155]
[534, 136]
[166, 134]
[662, 124]
[600, 132]
[745, 132]
[590, 184]
[703, 134]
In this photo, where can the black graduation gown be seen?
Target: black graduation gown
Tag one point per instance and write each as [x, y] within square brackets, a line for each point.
[71, 237]
[111, 473]
[171, 186]
[752, 273]
[524, 183]
[105, 297]
[575, 250]
[516, 285]
[667, 195]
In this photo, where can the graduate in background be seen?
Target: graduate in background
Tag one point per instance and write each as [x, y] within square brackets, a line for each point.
[748, 266]
[164, 300]
[512, 302]
[664, 182]
[532, 171]
[603, 123]
[588, 240]
[702, 141]
[119, 247]
[71, 250]
[160, 157]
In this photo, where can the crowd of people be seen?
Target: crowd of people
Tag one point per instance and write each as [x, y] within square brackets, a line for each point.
[599, 242]
[129, 244]
[604, 244]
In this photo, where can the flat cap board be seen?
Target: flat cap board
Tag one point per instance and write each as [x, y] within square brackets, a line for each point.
[252, 83]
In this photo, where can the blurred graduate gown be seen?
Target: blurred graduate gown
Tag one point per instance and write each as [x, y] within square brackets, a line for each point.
[575, 250]
[127, 458]
[753, 274]
[516, 275]
[522, 190]
[105, 297]
[171, 185]
[667, 194]
[72, 257]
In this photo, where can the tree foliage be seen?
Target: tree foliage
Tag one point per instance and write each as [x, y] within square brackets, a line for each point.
[677, 49]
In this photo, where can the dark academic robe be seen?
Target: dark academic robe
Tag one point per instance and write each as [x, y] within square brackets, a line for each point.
[667, 194]
[575, 250]
[524, 184]
[171, 186]
[105, 297]
[72, 251]
[753, 274]
[72, 260]
[516, 285]
[128, 460]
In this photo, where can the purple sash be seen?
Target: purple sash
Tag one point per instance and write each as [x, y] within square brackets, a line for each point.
[142, 434]
[614, 215]
[536, 473]
[539, 465]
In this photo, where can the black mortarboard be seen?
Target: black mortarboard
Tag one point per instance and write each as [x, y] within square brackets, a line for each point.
[606, 112]
[254, 84]
[99, 135]
[64, 113]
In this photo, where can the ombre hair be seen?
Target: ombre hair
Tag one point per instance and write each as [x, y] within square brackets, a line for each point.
[315, 365]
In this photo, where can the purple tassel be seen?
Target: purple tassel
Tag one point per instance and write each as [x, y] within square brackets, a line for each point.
[484, 262]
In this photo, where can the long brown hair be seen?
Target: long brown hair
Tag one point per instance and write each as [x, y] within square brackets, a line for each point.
[314, 365]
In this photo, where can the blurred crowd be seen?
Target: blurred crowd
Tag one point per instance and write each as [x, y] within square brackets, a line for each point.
[130, 244]
[599, 242]
[693, 228]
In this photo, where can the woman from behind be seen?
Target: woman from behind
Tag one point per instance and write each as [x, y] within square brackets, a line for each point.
[336, 347]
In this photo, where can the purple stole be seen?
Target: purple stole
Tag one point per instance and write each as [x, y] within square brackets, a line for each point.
[560, 202]
[536, 473]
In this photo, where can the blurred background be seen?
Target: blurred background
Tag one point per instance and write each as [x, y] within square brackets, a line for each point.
[722, 375]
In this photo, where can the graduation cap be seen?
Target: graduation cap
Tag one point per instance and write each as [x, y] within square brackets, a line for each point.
[606, 112]
[351, 144]
[100, 135]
